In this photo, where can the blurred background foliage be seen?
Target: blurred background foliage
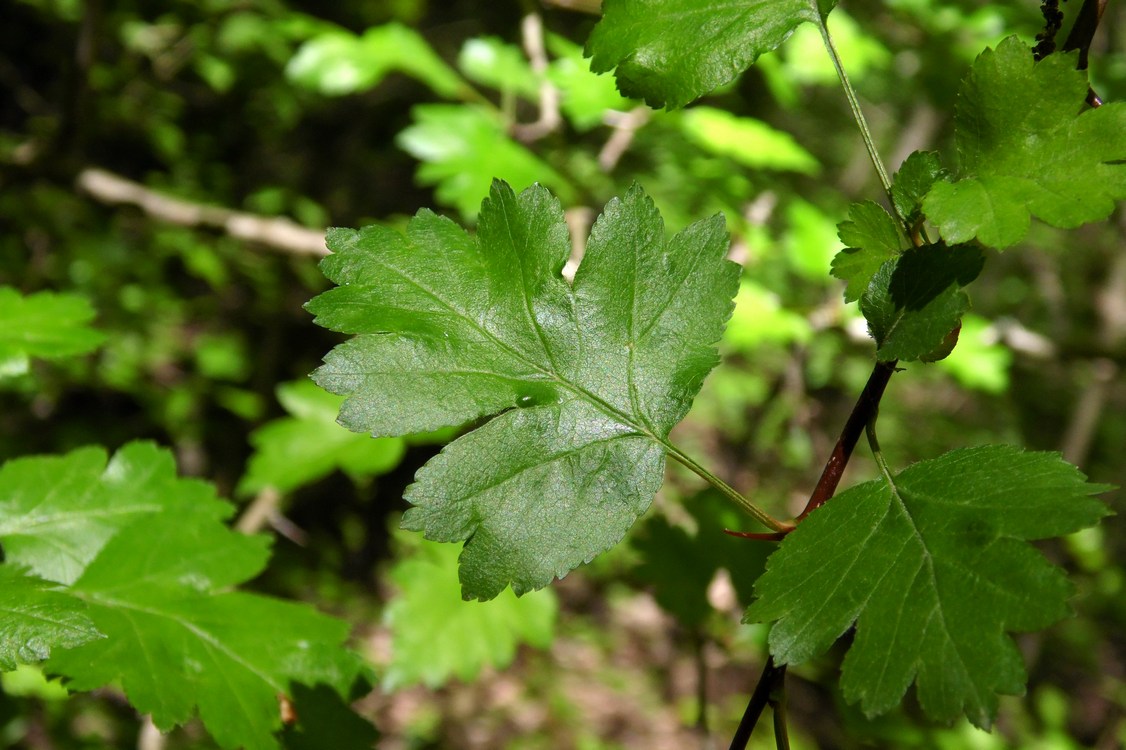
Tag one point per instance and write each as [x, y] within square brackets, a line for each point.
[352, 113]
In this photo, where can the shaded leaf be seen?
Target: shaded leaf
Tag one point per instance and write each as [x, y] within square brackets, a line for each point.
[1027, 146]
[916, 300]
[934, 570]
[585, 382]
[913, 181]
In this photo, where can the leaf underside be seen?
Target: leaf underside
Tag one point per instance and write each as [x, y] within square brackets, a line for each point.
[582, 381]
[934, 571]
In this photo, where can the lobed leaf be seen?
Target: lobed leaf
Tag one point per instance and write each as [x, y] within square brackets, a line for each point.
[150, 565]
[655, 45]
[934, 569]
[44, 324]
[1028, 146]
[583, 382]
[871, 238]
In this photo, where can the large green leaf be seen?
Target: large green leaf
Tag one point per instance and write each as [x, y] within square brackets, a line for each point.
[1027, 145]
[669, 52]
[36, 617]
[151, 565]
[934, 569]
[584, 382]
[437, 636]
[45, 324]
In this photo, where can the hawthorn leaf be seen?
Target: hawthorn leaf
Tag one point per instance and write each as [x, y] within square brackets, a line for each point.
[916, 300]
[294, 451]
[57, 512]
[583, 382]
[655, 45]
[437, 636]
[934, 569]
[179, 641]
[1028, 146]
[44, 324]
[35, 617]
[462, 148]
[871, 238]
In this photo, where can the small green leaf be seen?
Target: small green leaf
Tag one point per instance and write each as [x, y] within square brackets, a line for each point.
[913, 181]
[338, 62]
[1027, 145]
[490, 61]
[584, 382]
[436, 635]
[294, 451]
[37, 617]
[747, 141]
[934, 570]
[914, 301]
[463, 148]
[656, 45]
[44, 324]
[872, 238]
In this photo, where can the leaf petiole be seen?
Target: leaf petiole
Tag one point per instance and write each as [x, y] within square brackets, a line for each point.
[861, 121]
[874, 444]
[730, 492]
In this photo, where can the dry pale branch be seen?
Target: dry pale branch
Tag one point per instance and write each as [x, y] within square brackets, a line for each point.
[278, 233]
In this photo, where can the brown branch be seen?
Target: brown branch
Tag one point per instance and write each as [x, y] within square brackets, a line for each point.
[278, 233]
[864, 410]
[770, 684]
